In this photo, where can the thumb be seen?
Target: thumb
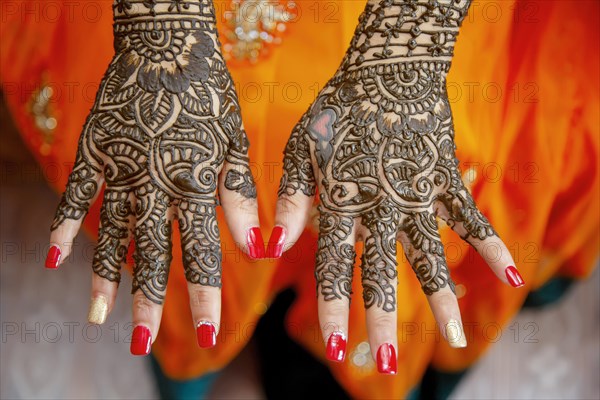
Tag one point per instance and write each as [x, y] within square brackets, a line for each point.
[237, 193]
[296, 193]
[81, 191]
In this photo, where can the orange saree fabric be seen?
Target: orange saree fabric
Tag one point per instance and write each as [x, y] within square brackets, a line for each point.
[524, 91]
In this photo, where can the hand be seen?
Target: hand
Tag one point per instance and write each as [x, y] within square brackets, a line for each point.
[378, 145]
[164, 133]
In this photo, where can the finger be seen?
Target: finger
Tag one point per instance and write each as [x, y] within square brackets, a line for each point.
[424, 250]
[237, 190]
[152, 258]
[116, 223]
[333, 272]
[296, 193]
[446, 312]
[459, 211]
[81, 191]
[380, 281]
[237, 193]
[201, 249]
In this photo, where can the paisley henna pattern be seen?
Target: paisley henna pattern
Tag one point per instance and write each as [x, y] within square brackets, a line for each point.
[335, 259]
[165, 120]
[381, 138]
[298, 171]
[379, 256]
[200, 243]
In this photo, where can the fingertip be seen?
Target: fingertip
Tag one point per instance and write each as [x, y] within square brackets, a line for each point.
[276, 242]
[444, 305]
[53, 257]
[98, 310]
[513, 277]
[146, 320]
[141, 341]
[205, 305]
[206, 334]
[104, 293]
[336, 347]
[255, 243]
[455, 334]
[291, 216]
[387, 359]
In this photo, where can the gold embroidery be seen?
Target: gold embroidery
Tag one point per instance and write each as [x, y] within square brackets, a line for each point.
[41, 110]
[252, 27]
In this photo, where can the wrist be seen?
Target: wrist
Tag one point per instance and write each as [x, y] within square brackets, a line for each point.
[166, 44]
[163, 15]
[392, 31]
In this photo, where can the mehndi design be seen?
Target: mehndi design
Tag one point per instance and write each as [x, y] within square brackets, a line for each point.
[166, 118]
[382, 139]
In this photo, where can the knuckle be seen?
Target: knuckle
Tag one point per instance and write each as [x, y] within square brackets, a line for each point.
[202, 298]
[333, 312]
[445, 299]
[142, 306]
[384, 321]
[331, 326]
[287, 204]
[239, 204]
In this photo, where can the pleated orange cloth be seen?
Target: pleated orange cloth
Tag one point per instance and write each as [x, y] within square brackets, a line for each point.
[524, 90]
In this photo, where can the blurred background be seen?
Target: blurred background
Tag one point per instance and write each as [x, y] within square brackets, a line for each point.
[524, 92]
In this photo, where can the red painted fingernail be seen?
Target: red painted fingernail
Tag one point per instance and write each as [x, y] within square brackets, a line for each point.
[386, 359]
[53, 257]
[141, 341]
[513, 276]
[207, 336]
[336, 347]
[276, 242]
[256, 244]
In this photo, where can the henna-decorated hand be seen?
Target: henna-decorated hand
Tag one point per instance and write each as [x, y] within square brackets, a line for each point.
[164, 134]
[378, 144]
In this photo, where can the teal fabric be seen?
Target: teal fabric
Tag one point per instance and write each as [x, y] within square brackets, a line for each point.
[551, 292]
[414, 394]
[191, 389]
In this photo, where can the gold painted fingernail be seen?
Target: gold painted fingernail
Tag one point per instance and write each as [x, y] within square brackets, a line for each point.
[455, 334]
[98, 310]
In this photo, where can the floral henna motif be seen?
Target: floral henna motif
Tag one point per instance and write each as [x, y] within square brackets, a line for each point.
[382, 139]
[165, 121]
[242, 182]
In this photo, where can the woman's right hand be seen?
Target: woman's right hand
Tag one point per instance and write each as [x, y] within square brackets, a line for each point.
[378, 146]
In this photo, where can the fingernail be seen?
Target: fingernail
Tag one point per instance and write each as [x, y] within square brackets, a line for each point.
[276, 242]
[513, 276]
[207, 335]
[98, 310]
[336, 347]
[53, 257]
[386, 359]
[141, 341]
[256, 244]
[455, 334]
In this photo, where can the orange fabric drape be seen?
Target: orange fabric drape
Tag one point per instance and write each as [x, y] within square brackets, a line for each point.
[524, 92]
